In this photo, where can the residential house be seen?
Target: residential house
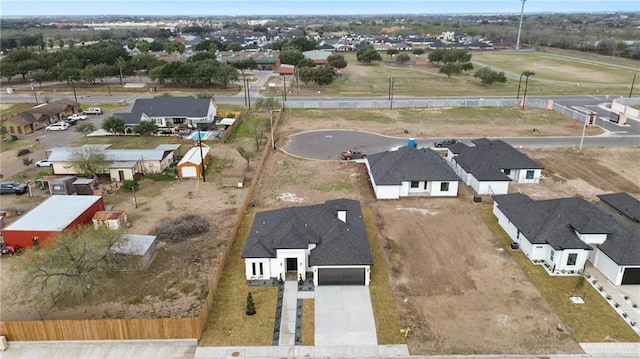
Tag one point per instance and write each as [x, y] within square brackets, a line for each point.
[122, 164]
[39, 117]
[171, 112]
[490, 165]
[411, 171]
[563, 234]
[328, 240]
[319, 57]
[624, 207]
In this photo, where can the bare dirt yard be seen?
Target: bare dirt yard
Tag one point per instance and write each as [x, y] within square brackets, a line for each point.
[176, 282]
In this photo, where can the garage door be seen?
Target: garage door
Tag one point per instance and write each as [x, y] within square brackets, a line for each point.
[341, 276]
[631, 276]
[188, 171]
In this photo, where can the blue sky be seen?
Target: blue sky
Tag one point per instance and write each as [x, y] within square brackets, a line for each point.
[302, 7]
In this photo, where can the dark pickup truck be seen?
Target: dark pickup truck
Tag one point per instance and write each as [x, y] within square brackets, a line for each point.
[445, 142]
[353, 155]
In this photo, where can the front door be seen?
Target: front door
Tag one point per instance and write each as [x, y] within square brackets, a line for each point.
[121, 175]
[292, 264]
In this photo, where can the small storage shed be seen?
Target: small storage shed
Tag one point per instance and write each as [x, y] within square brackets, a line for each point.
[62, 185]
[83, 186]
[138, 245]
[233, 177]
[190, 166]
[121, 171]
[109, 219]
[54, 215]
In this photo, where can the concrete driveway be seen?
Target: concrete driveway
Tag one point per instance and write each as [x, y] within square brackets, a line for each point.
[344, 316]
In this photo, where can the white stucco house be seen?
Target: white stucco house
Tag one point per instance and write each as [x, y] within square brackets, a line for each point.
[490, 165]
[327, 240]
[411, 171]
[564, 233]
[170, 112]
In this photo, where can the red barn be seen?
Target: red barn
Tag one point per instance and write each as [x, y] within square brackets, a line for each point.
[51, 217]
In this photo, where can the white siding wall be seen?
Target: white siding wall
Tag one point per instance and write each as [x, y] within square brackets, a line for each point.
[591, 238]
[63, 168]
[434, 188]
[299, 254]
[608, 267]
[266, 268]
[521, 175]
[562, 256]
[488, 187]
[382, 192]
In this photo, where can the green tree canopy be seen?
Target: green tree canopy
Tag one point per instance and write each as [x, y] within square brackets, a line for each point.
[489, 77]
[291, 57]
[368, 54]
[89, 160]
[113, 125]
[337, 61]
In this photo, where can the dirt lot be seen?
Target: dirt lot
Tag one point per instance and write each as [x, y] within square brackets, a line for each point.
[175, 283]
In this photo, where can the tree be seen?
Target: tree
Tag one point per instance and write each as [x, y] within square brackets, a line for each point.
[251, 306]
[247, 155]
[323, 75]
[120, 64]
[392, 52]
[73, 264]
[526, 74]
[131, 43]
[85, 128]
[226, 74]
[268, 103]
[258, 137]
[145, 128]
[291, 57]
[27, 161]
[368, 54]
[450, 69]
[402, 58]
[113, 125]
[418, 51]
[61, 43]
[337, 61]
[489, 77]
[89, 160]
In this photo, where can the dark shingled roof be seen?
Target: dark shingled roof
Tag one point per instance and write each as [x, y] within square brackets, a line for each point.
[555, 221]
[486, 160]
[166, 106]
[409, 164]
[458, 147]
[623, 203]
[337, 243]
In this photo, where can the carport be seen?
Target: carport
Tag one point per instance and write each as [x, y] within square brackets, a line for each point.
[341, 276]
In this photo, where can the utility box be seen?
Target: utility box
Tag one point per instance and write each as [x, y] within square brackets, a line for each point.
[62, 185]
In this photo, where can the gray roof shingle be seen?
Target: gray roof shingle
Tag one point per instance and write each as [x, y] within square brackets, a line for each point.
[166, 106]
[623, 203]
[555, 221]
[409, 164]
[486, 160]
[337, 243]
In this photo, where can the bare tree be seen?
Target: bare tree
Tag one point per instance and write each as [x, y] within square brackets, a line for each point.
[72, 265]
[89, 160]
[247, 155]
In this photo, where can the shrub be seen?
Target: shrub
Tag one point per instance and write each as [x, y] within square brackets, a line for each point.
[616, 305]
[187, 287]
[608, 296]
[624, 315]
[635, 305]
[130, 184]
[23, 151]
[181, 228]
[251, 306]
[626, 297]
[134, 299]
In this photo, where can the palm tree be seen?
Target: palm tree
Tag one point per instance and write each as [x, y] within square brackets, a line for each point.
[526, 74]
[120, 64]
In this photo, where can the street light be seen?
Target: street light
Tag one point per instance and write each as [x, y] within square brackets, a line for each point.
[520, 26]
[73, 84]
[632, 83]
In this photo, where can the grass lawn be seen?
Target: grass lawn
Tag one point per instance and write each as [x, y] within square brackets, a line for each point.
[594, 321]
[227, 324]
[385, 308]
[308, 322]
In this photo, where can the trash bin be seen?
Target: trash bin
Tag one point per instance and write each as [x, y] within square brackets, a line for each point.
[10, 90]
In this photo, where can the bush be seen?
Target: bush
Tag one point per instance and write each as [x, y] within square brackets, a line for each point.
[181, 228]
[608, 296]
[23, 151]
[130, 184]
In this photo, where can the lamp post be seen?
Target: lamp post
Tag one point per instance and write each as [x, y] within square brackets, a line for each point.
[584, 128]
[73, 84]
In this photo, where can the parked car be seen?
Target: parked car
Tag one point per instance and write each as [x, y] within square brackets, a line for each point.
[93, 111]
[353, 155]
[445, 142]
[58, 126]
[78, 117]
[43, 163]
[70, 121]
[13, 187]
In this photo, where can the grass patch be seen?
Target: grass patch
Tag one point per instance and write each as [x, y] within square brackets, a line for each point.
[385, 307]
[595, 321]
[227, 324]
[308, 322]
[250, 122]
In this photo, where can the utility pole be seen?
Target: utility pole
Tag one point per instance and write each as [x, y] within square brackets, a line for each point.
[285, 87]
[204, 179]
[248, 93]
[520, 26]
[74, 89]
[273, 144]
[34, 93]
[632, 83]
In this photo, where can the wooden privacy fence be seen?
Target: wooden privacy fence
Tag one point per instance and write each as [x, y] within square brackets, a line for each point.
[129, 329]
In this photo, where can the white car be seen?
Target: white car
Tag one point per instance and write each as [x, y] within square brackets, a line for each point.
[58, 126]
[78, 116]
[43, 163]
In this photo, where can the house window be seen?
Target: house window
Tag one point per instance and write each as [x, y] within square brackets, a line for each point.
[253, 268]
[507, 171]
[529, 174]
[415, 184]
[571, 260]
[551, 255]
[444, 186]
[261, 269]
